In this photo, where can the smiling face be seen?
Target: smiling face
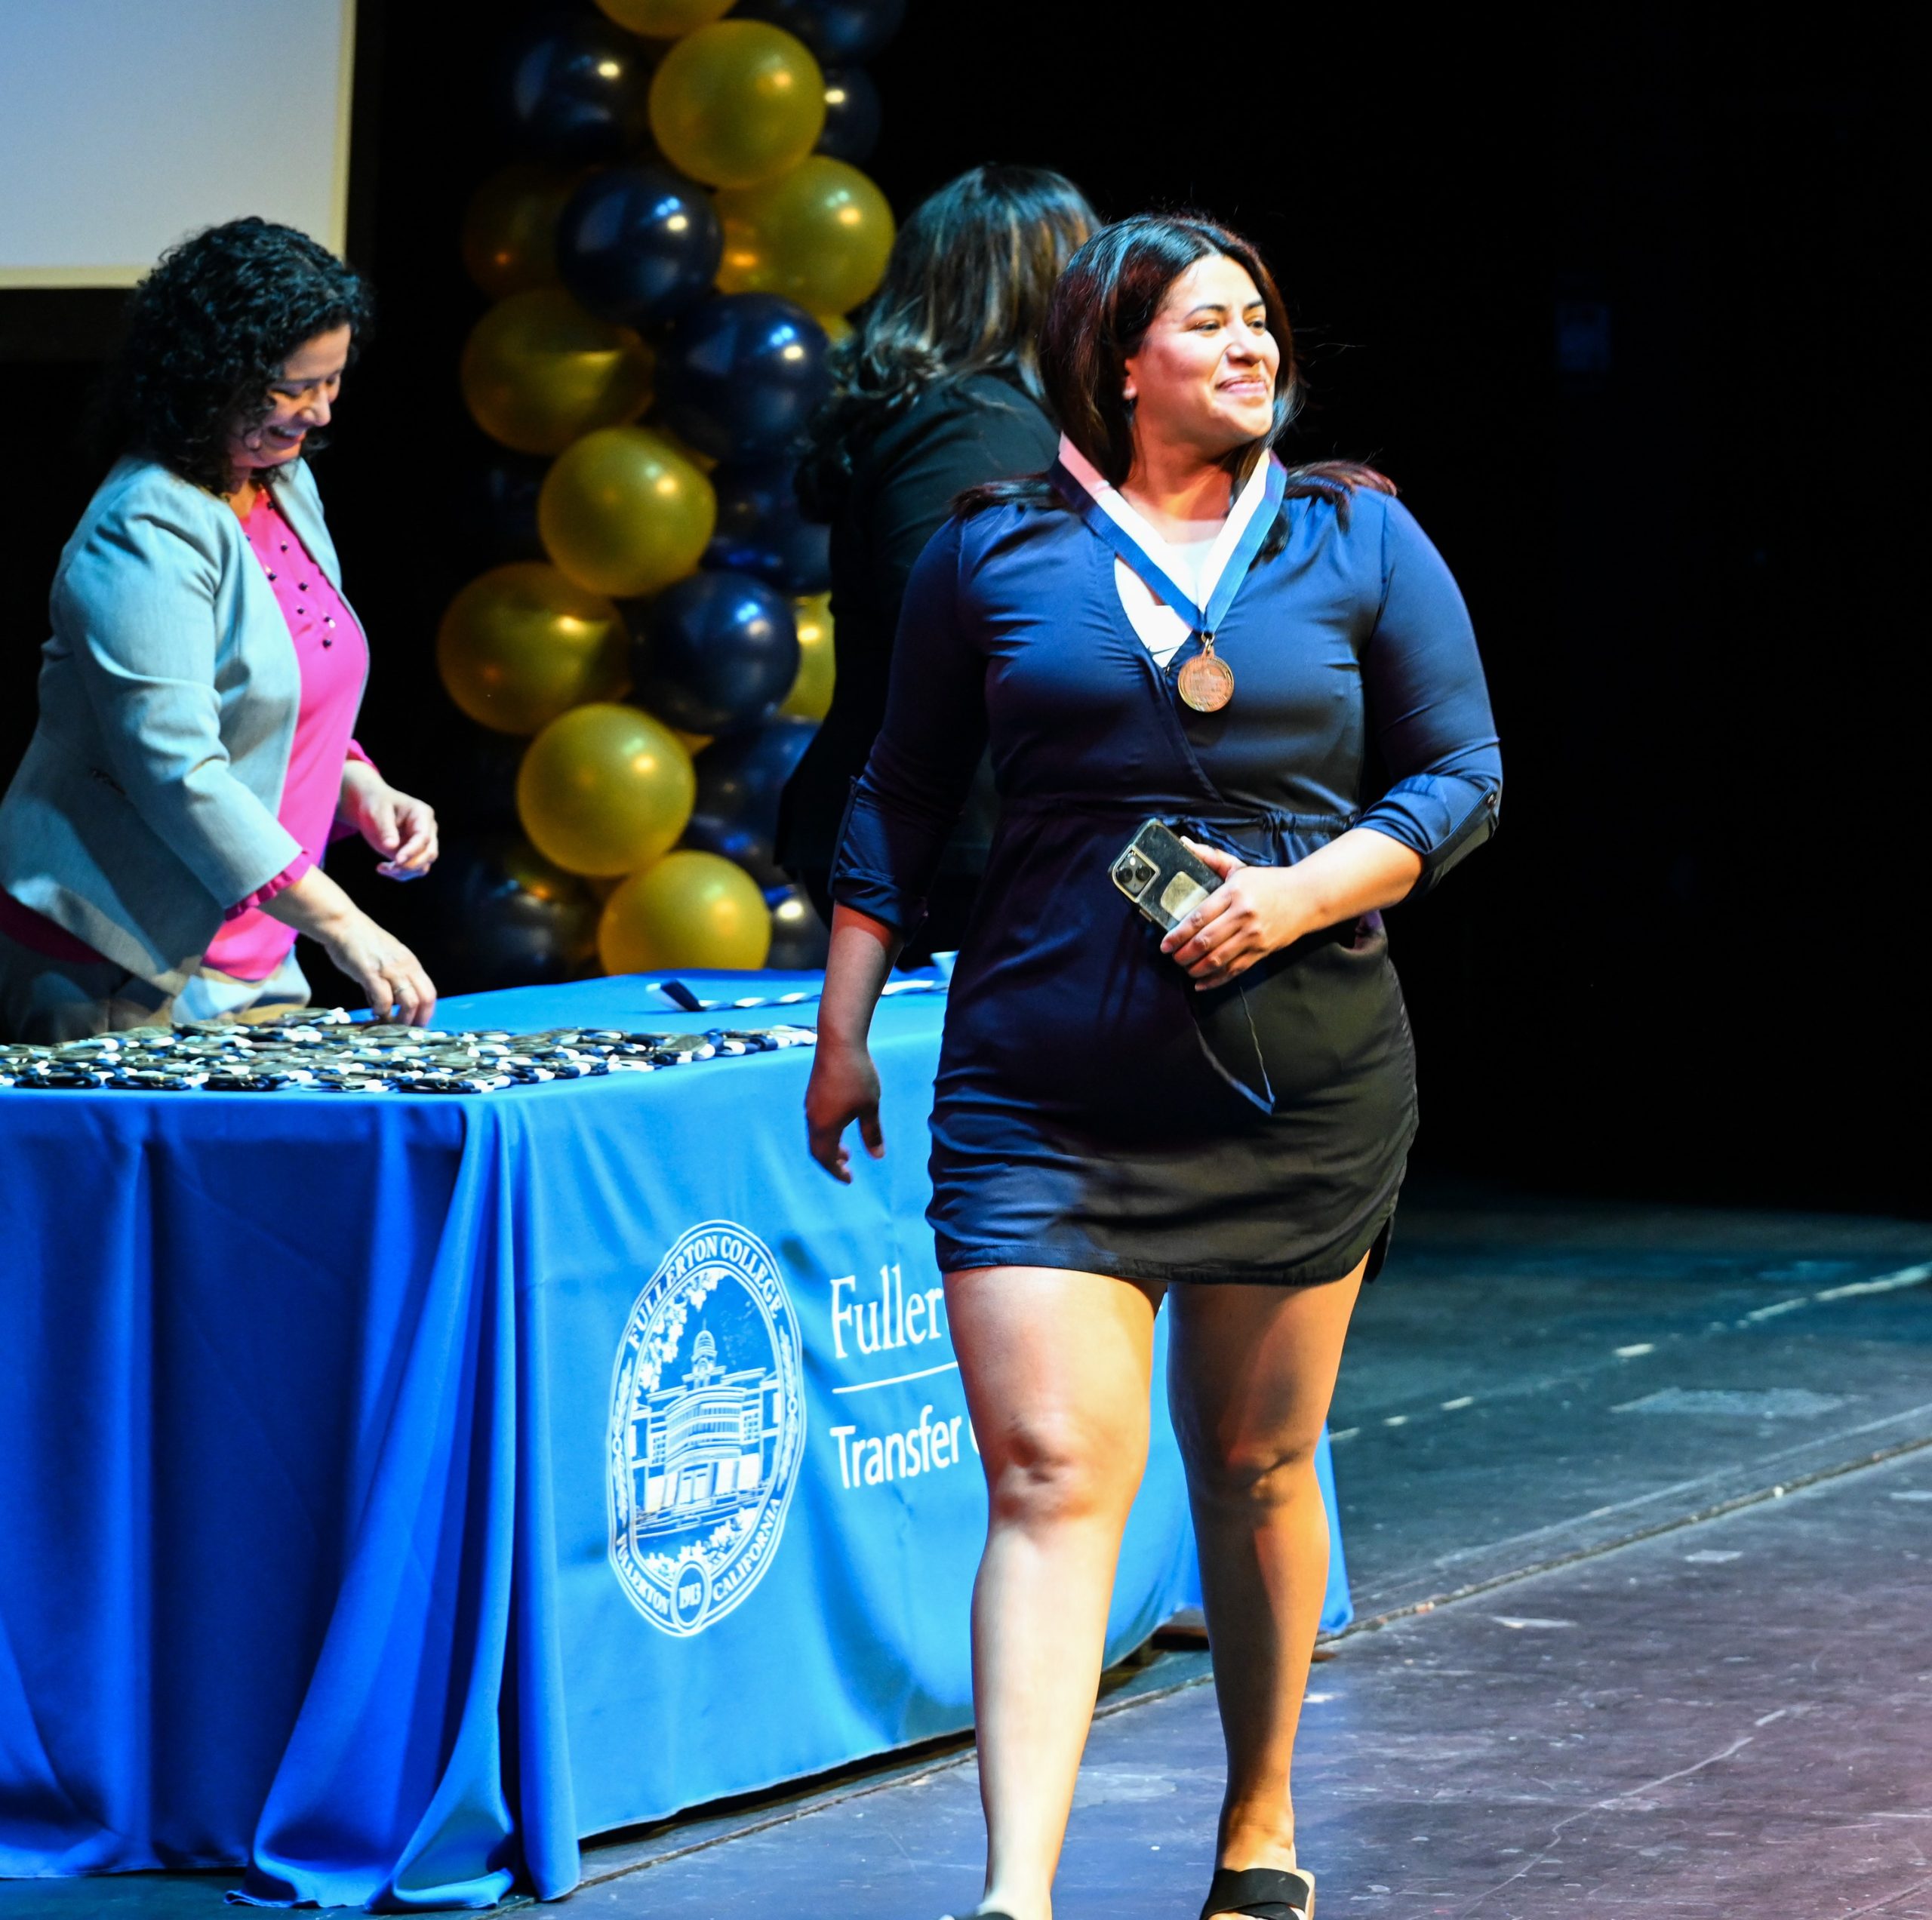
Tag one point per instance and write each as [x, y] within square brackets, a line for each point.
[1203, 375]
[300, 398]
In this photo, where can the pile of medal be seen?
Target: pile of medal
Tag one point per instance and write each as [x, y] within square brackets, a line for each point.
[327, 1053]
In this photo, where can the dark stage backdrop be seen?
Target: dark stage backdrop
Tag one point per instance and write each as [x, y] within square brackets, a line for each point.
[1620, 307]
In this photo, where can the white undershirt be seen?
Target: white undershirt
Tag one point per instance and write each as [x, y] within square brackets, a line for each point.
[1194, 565]
[1162, 631]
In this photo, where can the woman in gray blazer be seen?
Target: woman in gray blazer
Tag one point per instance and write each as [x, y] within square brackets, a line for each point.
[161, 842]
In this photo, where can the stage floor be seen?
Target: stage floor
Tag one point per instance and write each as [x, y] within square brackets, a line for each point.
[1638, 1507]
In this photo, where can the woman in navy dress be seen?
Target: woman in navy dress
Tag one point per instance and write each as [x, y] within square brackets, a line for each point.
[1219, 1115]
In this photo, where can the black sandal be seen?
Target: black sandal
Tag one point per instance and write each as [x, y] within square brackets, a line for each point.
[1266, 1893]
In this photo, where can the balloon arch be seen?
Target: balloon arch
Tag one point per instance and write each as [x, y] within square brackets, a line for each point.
[671, 258]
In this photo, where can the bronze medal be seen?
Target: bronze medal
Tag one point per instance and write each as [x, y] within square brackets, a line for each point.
[1206, 682]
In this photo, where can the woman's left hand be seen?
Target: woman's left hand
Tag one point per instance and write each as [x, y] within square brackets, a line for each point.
[1254, 911]
[400, 827]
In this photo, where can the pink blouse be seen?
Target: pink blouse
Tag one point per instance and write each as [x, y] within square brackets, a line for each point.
[333, 656]
[334, 659]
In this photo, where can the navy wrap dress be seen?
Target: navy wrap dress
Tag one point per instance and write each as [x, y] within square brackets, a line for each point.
[1093, 1111]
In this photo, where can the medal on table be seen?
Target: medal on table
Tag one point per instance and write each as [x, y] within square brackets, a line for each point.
[1203, 681]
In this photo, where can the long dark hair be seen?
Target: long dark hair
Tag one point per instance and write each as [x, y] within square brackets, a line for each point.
[966, 291]
[1100, 314]
[207, 332]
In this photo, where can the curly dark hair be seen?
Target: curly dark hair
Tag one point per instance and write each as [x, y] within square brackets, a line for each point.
[207, 332]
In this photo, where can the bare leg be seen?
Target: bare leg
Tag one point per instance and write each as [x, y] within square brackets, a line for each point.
[1252, 1370]
[1057, 1368]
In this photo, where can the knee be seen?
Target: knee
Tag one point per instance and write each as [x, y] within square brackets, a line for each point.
[1271, 1473]
[1048, 1471]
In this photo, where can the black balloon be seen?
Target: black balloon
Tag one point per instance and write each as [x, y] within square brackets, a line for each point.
[852, 116]
[839, 32]
[739, 779]
[736, 842]
[639, 245]
[575, 87]
[495, 913]
[799, 938]
[761, 530]
[717, 654]
[741, 375]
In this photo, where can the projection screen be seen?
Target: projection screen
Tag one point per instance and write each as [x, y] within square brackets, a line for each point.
[126, 124]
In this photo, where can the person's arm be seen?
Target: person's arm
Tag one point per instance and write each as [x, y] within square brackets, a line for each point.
[844, 1085]
[377, 961]
[903, 807]
[1428, 703]
[136, 604]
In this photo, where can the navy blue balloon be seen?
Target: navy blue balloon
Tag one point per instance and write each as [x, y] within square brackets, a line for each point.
[639, 245]
[719, 651]
[739, 779]
[499, 494]
[799, 939]
[575, 88]
[839, 31]
[741, 375]
[736, 842]
[493, 916]
[477, 785]
[852, 115]
[761, 532]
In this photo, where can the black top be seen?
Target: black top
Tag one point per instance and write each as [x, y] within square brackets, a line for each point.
[903, 482]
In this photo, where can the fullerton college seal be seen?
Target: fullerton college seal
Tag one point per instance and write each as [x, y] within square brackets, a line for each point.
[707, 1429]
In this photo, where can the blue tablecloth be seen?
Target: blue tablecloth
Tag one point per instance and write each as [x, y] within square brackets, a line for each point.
[394, 1490]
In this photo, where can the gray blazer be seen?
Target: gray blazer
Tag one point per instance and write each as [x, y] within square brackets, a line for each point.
[145, 804]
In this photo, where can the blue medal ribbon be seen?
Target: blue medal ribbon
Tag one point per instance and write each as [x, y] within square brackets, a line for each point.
[1200, 619]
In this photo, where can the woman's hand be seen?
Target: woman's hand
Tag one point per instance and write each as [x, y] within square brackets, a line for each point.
[400, 827]
[1254, 911]
[386, 969]
[844, 1084]
[844, 1087]
[374, 959]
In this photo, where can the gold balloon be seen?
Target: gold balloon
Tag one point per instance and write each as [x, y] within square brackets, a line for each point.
[819, 235]
[538, 372]
[737, 103]
[521, 644]
[665, 19]
[693, 743]
[837, 327]
[691, 910]
[509, 231]
[624, 513]
[810, 697]
[605, 789]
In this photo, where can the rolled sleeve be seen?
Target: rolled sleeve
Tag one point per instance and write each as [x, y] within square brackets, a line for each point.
[1429, 703]
[138, 605]
[905, 804]
[288, 877]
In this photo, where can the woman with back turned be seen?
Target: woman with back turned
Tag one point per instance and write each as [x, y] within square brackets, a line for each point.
[939, 390]
[161, 845]
[1212, 1104]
